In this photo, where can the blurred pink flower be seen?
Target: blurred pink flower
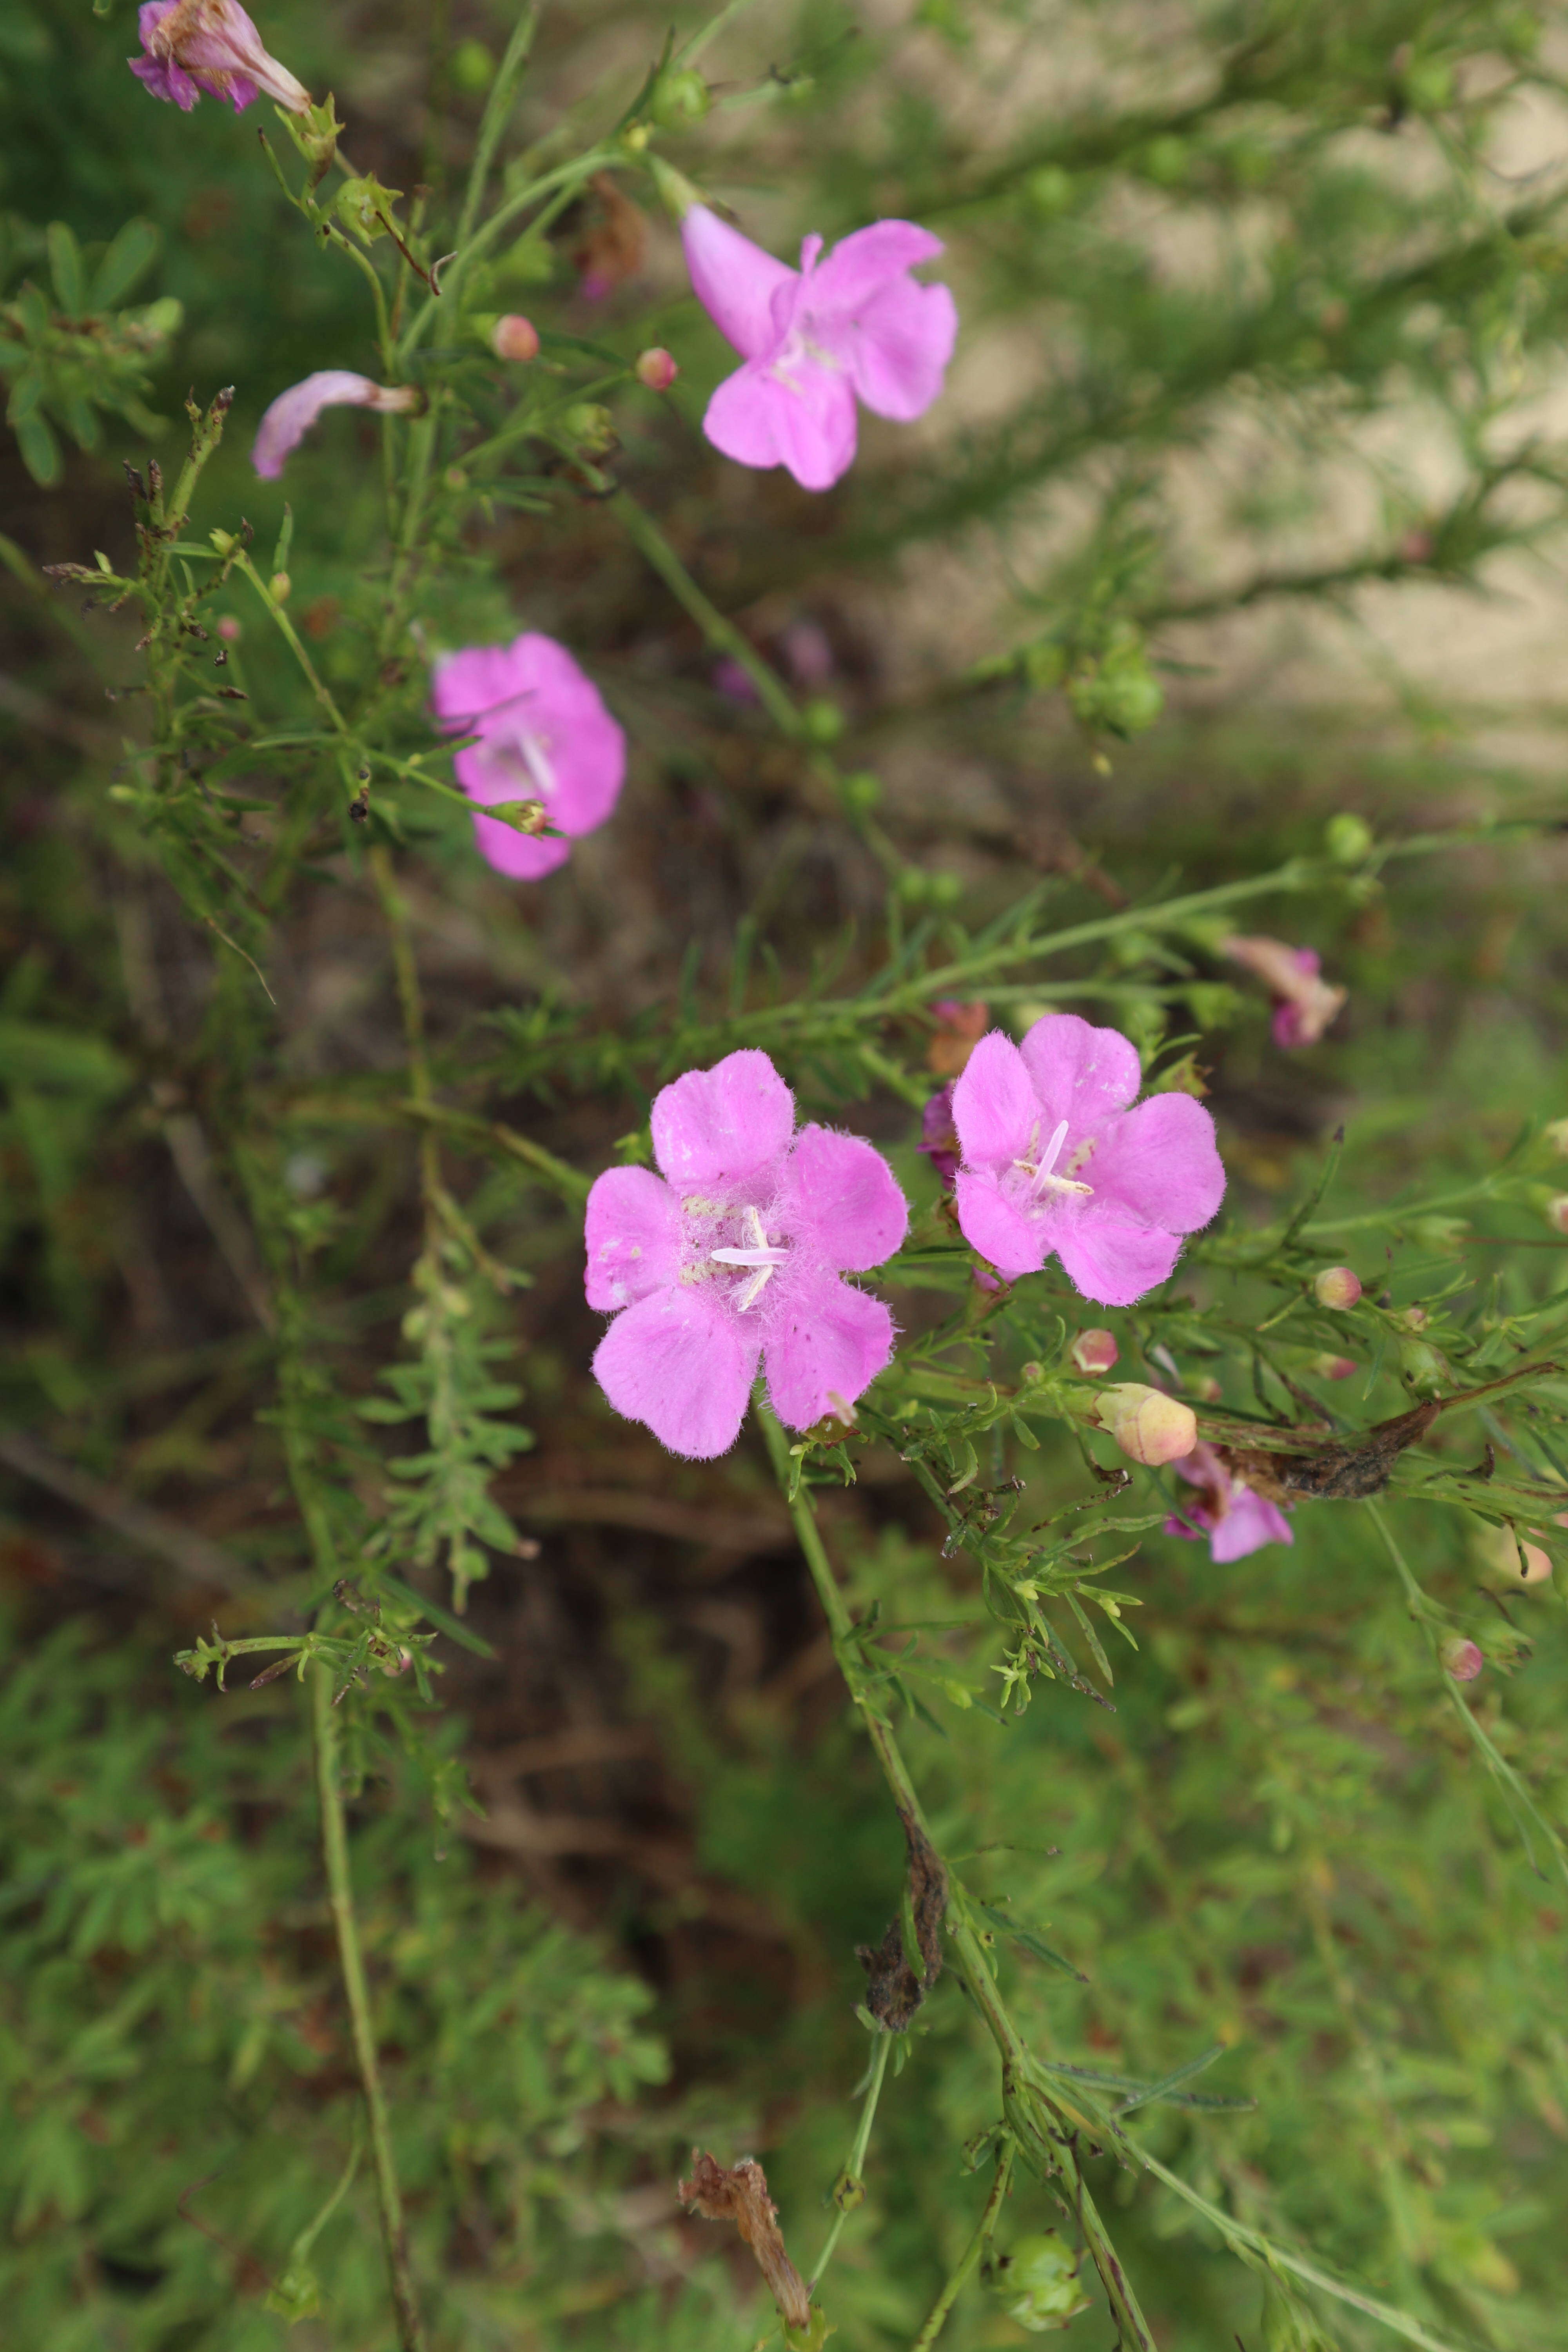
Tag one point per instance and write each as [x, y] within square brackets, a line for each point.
[192, 45]
[732, 1257]
[813, 340]
[1304, 1003]
[1235, 1519]
[544, 734]
[293, 412]
[1055, 1159]
[939, 1137]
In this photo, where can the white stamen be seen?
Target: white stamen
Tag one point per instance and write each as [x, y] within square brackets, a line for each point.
[757, 1254]
[1040, 1173]
[541, 767]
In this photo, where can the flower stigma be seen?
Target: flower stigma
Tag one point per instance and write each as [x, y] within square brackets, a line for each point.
[757, 1254]
[1041, 1175]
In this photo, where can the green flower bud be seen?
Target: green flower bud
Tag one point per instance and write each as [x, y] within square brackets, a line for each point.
[680, 97]
[1348, 839]
[1037, 2284]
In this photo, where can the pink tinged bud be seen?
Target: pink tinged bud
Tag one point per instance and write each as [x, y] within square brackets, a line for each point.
[1333, 1368]
[211, 46]
[1556, 1135]
[294, 412]
[229, 630]
[515, 338]
[1094, 1353]
[1148, 1427]
[1463, 1660]
[1337, 1286]
[1414, 1319]
[656, 370]
[1557, 1213]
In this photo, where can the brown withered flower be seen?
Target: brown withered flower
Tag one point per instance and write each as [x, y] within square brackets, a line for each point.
[741, 2195]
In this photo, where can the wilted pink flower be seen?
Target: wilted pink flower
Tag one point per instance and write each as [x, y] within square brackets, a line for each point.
[733, 1257]
[811, 339]
[656, 369]
[1234, 1518]
[293, 412]
[959, 1029]
[1055, 1158]
[1304, 1003]
[1463, 1659]
[939, 1137]
[192, 45]
[544, 734]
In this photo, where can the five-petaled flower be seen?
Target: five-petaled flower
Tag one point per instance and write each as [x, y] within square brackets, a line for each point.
[192, 45]
[1055, 1158]
[1235, 1519]
[856, 324]
[544, 734]
[292, 413]
[733, 1257]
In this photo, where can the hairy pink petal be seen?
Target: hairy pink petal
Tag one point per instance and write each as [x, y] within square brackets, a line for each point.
[990, 1222]
[713, 1128]
[805, 422]
[633, 1237]
[839, 1200]
[1081, 1073]
[678, 1363]
[995, 1106]
[1162, 1162]
[520, 856]
[211, 46]
[734, 280]
[828, 1345]
[1109, 1257]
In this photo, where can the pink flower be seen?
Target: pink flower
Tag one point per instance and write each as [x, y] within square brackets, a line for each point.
[294, 412]
[1304, 1003]
[939, 1137]
[1055, 1158]
[857, 323]
[1235, 1519]
[733, 1257]
[544, 734]
[192, 45]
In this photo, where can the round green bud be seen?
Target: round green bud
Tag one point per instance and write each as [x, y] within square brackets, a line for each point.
[472, 69]
[1049, 190]
[860, 791]
[823, 721]
[679, 98]
[1037, 2283]
[1348, 839]
[593, 429]
[945, 889]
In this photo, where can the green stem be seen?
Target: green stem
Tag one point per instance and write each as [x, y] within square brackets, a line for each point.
[972, 2252]
[720, 634]
[340, 1888]
[497, 106]
[851, 2178]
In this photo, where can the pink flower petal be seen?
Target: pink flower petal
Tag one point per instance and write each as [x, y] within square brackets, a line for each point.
[677, 1362]
[804, 421]
[713, 1128]
[897, 351]
[995, 1106]
[829, 1344]
[544, 734]
[1107, 1255]
[165, 82]
[989, 1222]
[1161, 1161]
[865, 262]
[633, 1237]
[839, 1200]
[520, 856]
[1247, 1526]
[293, 412]
[735, 281]
[1081, 1074]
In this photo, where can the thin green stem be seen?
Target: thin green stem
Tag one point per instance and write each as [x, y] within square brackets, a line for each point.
[966, 2262]
[720, 634]
[850, 2190]
[290, 635]
[497, 106]
[339, 1889]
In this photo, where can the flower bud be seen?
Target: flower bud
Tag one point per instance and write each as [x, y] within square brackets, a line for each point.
[1148, 1426]
[1333, 1368]
[1347, 838]
[592, 428]
[1557, 1213]
[1337, 1286]
[277, 587]
[514, 338]
[1094, 1352]
[656, 369]
[1414, 1319]
[229, 630]
[1463, 1660]
[1556, 1135]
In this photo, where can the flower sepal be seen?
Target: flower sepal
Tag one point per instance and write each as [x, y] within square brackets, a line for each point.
[315, 133]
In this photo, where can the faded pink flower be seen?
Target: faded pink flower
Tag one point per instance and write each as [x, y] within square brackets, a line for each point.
[293, 412]
[544, 734]
[939, 1137]
[732, 1257]
[192, 45]
[1235, 1519]
[1056, 1160]
[813, 340]
[1304, 1003]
